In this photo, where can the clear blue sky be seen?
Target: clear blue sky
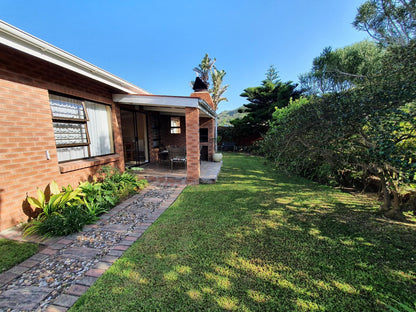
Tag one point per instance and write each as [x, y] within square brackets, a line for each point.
[156, 44]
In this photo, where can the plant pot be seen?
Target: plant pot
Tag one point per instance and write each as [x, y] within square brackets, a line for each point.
[217, 157]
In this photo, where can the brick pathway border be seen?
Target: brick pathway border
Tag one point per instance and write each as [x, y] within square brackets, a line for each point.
[65, 300]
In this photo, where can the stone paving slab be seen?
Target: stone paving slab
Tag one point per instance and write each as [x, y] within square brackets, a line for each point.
[18, 269]
[80, 252]
[77, 290]
[86, 281]
[24, 298]
[95, 261]
[6, 277]
[66, 301]
[120, 228]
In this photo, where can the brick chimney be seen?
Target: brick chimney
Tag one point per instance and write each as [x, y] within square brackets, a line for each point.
[201, 91]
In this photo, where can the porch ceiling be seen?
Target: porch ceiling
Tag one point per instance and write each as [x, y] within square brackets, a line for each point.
[168, 105]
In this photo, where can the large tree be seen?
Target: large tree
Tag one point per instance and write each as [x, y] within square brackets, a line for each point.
[342, 69]
[388, 21]
[263, 100]
[368, 128]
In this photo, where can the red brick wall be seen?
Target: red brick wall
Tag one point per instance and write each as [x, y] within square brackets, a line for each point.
[210, 124]
[26, 130]
[207, 123]
[192, 144]
[205, 96]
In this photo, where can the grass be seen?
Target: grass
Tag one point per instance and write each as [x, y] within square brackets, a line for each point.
[261, 241]
[12, 253]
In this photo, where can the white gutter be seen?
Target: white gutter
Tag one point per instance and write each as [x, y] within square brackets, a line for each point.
[25, 42]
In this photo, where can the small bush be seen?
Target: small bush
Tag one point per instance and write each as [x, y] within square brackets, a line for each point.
[71, 220]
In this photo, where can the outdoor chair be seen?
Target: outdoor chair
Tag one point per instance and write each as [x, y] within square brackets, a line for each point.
[177, 155]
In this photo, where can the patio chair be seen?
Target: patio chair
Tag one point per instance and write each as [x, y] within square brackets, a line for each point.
[177, 155]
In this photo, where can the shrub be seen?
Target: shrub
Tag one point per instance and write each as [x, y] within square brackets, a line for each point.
[67, 211]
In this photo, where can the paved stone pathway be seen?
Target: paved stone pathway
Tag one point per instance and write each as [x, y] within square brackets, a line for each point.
[53, 279]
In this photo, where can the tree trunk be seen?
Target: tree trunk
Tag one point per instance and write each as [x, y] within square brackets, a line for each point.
[390, 209]
[386, 195]
[395, 212]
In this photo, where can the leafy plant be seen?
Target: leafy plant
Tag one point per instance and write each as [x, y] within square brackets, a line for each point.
[93, 210]
[71, 220]
[57, 200]
[67, 211]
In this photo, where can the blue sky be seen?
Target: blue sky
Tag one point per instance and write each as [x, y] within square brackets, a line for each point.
[156, 44]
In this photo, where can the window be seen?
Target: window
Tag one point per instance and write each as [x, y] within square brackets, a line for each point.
[175, 125]
[82, 128]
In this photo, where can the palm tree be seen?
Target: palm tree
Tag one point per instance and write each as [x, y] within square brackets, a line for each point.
[203, 70]
[217, 89]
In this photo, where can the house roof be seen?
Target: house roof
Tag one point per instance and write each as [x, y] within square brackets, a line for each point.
[166, 103]
[22, 41]
[27, 43]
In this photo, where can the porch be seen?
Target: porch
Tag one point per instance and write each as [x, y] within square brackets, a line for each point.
[152, 124]
[209, 172]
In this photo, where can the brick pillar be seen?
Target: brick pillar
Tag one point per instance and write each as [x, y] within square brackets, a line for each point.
[192, 144]
[118, 137]
[211, 136]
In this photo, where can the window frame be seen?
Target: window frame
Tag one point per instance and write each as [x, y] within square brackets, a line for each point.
[172, 128]
[84, 121]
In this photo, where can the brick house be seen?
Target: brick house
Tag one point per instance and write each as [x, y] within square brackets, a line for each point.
[63, 118]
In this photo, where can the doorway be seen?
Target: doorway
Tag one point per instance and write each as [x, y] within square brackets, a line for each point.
[135, 143]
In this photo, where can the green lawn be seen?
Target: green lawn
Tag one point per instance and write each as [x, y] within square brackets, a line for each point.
[12, 253]
[260, 241]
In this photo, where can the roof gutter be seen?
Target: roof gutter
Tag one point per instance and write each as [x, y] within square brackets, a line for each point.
[206, 108]
[22, 41]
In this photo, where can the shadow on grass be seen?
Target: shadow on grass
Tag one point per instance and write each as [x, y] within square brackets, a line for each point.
[258, 241]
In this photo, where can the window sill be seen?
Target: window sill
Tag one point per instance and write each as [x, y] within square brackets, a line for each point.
[87, 163]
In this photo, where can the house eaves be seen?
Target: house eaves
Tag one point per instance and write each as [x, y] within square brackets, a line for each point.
[24, 42]
[166, 103]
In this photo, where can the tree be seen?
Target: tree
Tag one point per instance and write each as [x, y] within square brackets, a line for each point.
[388, 21]
[209, 73]
[341, 69]
[204, 68]
[218, 89]
[262, 102]
[368, 128]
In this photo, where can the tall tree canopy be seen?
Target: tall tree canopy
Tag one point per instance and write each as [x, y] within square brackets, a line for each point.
[263, 100]
[341, 69]
[388, 21]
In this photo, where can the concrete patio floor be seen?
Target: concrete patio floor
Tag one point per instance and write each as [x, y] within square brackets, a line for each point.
[163, 173]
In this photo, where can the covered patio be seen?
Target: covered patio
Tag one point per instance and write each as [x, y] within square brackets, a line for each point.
[153, 125]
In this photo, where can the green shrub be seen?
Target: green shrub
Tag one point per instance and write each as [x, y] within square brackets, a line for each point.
[67, 211]
[71, 220]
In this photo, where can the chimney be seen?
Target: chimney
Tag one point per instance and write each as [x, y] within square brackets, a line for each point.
[201, 91]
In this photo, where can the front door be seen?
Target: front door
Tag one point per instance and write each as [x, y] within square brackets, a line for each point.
[134, 129]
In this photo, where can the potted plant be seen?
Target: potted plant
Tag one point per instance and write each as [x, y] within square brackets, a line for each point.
[217, 157]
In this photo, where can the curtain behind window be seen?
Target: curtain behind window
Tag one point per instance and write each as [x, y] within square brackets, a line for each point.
[99, 129]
